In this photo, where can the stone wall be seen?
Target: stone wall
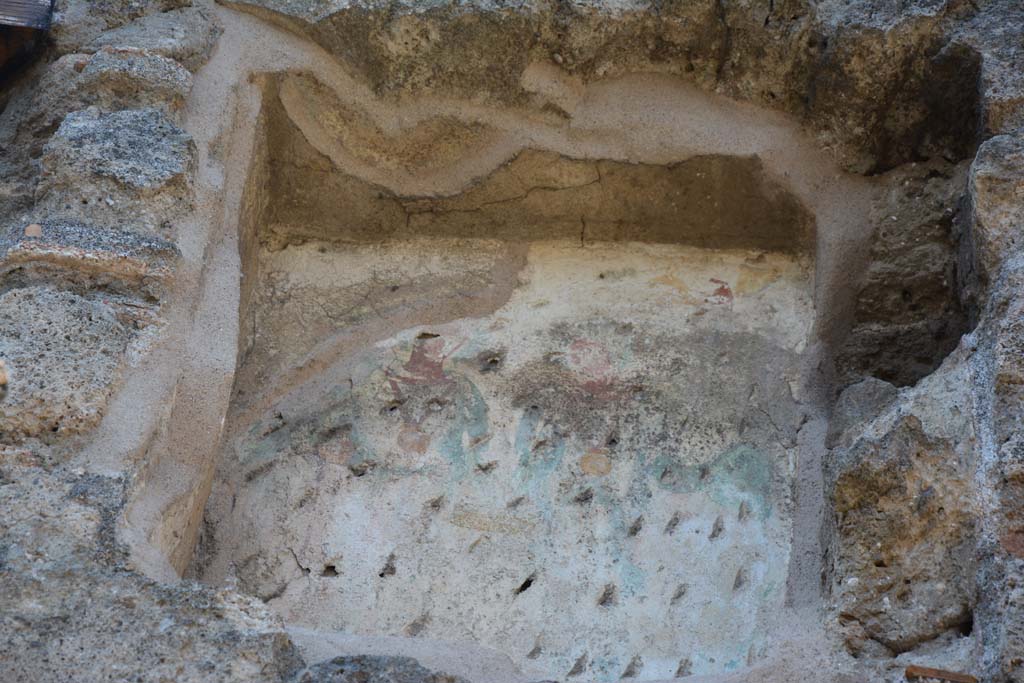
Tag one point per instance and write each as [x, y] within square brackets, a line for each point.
[126, 151]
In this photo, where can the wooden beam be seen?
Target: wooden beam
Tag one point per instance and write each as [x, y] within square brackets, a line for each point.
[915, 673]
[26, 13]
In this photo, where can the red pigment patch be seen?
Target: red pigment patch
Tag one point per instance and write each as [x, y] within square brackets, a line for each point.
[722, 293]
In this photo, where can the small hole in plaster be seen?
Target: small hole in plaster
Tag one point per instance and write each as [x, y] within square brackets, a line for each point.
[584, 497]
[329, 570]
[417, 626]
[491, 361]
[634, 668]
[335, 430]
[389, 567]
[360, 469]
[608, 596]
[717, 528]
[741, 579]
[525, 585]
[636, 526]
[684, 669]
[672, 524]
[579, 666]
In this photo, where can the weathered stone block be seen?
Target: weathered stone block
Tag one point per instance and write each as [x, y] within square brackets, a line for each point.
[997, 196]
[109, 80]
[76, 22]
[186, 35]
[74, 612]
[62, 353]
[114, 260]
[859, 404]
[130, 167]
[908, 315]
[905, 511]
[370, 669]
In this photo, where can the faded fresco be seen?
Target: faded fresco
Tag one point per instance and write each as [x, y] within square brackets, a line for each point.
[594, 477]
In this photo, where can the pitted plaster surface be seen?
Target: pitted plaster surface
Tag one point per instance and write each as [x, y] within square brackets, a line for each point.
[594, 478]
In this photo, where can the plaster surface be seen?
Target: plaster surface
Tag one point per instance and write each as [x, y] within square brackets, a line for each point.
[594, 478]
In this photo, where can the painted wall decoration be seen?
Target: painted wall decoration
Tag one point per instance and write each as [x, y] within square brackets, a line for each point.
[594, 478]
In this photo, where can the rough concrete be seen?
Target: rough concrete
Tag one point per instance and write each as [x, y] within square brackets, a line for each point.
[999, 384]
[108, 623]
[997, 199]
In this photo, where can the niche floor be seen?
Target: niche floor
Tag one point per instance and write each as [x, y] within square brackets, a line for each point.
[581, 456]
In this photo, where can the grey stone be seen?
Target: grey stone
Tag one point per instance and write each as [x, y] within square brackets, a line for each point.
[906, 522]
[997, 200]
[74, 611]
[109, 80]
[87, 258]
[158, 79]
[371, 669]
[129, 167]
[858, 404]
[908, 313]
[1001, 608]
[76, 22]
[187, 35]
[62, 353]
[994, 32]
